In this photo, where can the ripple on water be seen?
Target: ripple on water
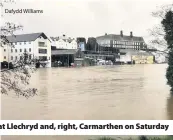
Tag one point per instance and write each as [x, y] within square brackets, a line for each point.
[118, 92]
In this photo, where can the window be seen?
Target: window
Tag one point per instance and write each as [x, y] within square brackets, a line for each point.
[25, 50]
[4, 50]
[20, 43]
[29, 49]
[43, 58]
[29, 42]
[11, 50]
[4, 57]
[16, 43]
[30, 56]
[24, 42]
[11, 57]
[20, 57]
[20, 50]
[16, 50]
[41, 44]
[15, 57]
[43, 51]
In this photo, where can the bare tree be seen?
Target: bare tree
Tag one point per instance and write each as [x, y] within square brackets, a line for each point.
[16, 77]
[157, 33]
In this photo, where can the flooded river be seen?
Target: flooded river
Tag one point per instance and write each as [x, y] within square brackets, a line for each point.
[101, 92]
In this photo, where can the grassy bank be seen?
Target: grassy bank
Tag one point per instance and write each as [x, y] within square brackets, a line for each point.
[138, 138]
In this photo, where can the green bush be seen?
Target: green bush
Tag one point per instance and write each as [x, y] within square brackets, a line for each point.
[167, 23]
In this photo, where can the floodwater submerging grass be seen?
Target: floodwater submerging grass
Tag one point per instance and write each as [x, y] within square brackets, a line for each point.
[137, 138]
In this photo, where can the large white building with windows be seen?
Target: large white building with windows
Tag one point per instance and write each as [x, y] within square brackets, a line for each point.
[122, 41]
[64, 42]
[37, 45]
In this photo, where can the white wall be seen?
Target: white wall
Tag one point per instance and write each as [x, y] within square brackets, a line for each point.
[125, 58]
[160, 58]
[61, 44]
[34, 46]
[72, 45]
[47, 46]
[21, 46]
[10, 52]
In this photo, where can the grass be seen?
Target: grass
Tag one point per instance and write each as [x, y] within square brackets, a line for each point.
[139, 138]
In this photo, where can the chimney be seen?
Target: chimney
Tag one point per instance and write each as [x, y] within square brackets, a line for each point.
[121, 33]
[131, 34]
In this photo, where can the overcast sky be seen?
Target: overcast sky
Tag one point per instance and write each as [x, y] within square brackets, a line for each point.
[86, 18]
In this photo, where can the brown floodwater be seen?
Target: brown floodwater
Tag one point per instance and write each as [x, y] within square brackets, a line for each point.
[100, 92]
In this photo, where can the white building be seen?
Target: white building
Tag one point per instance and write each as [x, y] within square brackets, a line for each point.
[36, 44]
[64, 42]
[1, 54]
[160, 57]
[138, 56]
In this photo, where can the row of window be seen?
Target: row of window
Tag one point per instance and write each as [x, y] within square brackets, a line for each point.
[20, 50]
[16, 57]
[73, 44]
[120, 42]
[126, 43]
[43, 58]
[20, 43]
[43, 51]
[24, 43]
[67, 47]
[125, 46]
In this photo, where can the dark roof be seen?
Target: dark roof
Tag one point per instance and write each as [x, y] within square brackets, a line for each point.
[64, 39]
[61, 52]
[25, 37]
[119, 38]
[55, 38]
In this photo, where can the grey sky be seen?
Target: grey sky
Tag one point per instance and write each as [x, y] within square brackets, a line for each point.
[87, 17]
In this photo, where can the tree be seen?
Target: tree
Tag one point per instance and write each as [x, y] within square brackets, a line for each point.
[157, 33]
[167, 23]
[15, 78]
[92, 44]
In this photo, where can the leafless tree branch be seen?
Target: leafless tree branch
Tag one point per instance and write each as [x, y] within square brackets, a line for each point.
[157, 33]
[15, 78]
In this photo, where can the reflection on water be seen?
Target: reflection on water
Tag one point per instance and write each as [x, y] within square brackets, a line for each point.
[102, 93]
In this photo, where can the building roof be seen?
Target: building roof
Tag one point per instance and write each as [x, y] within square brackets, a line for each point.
[65, 39]
[25, 37]
[54, 38]
[61, 52]
[119, 38]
